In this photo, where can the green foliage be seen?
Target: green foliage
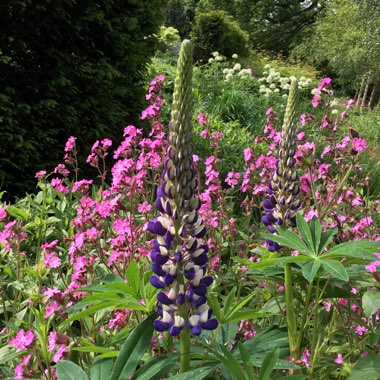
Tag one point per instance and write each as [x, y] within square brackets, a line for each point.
[216, 31]
[71, 68]
[168, 38]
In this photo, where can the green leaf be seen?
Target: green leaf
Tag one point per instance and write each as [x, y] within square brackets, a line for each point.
[91, 348]
[213, 302]
[157, 367]
[90, 311]
[310, 269]
[67, 370]
[238, 306]
[316, 233]
[268, 364]
[371, 302]
[195, 374]
[229, 300]
[101, 369]
[361, 249]
[248, 314]
[229, 362]
[336, 269]
[367, 368]
[133, 276]
[305, 231]
[9, 353]
[246, 361]
[17, 213]
[289, 239]
[132, 350]
[326, 239]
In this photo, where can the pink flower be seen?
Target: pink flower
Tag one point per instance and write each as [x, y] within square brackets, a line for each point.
[350, 103]
[70, 144]
[327, 305]
[52, 341]
[195, 158]
[358, 144]
[247, 154]
[360, 330]
[306, 357]
[232, 178]
[311, 214]
[60, 353]
[144, 207]
[19, 371]
[204, 133]
[22, 339]
[202, 119]
[40, 175]
[51, 261]
[81, 186]
[339, 359]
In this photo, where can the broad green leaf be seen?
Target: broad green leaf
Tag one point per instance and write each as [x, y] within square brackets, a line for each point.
[367, 368]
[371, 302]
[67, 370]
[289, 239]
[101, 369]
[246, 361]
[8, 353]
[227, 333]
[305, 232]
[195, 374]
[336, 269]
[133, 276]
[157, 367]
[268, 364]
[361, 249]
[310, 269]
[316, 233]
[17, 213]
[326, 239]
[230, 298]
[266, 340]
[132, 350]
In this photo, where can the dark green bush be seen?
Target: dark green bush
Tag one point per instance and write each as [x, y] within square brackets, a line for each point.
[217, 31]
[68, 68]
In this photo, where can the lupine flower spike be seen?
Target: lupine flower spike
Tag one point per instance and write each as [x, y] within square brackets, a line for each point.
[179, 252]
[281, 202]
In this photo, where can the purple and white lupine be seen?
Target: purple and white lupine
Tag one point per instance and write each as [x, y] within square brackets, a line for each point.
[179, 254]
[282, 199]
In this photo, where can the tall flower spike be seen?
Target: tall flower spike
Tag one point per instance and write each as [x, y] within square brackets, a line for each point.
[281, 202]
[179, 252]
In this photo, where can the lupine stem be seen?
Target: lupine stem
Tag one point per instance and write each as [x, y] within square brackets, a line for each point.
[290, 316]
[185, 349]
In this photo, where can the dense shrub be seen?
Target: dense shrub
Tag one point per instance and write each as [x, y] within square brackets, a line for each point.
[68, 68]
[216, 31]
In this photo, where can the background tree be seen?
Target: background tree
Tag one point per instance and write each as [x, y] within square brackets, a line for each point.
[68, 68]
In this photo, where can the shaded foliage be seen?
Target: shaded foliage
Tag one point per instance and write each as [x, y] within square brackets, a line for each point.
[68, 68]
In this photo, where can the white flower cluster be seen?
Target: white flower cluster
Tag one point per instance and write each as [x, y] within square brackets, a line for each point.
[216, 57]
[236, 70]
[275, 83]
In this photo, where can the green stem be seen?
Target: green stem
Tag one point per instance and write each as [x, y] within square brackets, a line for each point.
[315, 333]
[304, 316]
[290, 316]
[185, 350]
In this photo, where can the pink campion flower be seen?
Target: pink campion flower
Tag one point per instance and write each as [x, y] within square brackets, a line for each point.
[57, 184]
[357, 202]
[82, 186]
[3, 212]
[59, 354]
[354, 291]
[323, 170]
[247, 154]
[300, 136]
[40, 175]
[51, 309]
[232, 178]
[358, 144]
[323, 83]
[106, 143]
[306, 357]
[350, 103]
[343, 144]
[360, 330]
[144, 207]
[311, 214]
[51, 261]
[306, 118]
[22, 339]
[52, 338]
[70, 144]
[281, 287]
[339, 359]
[202, 119]
[61, 169]
[195, 158]
[327, 305]
[327, 149]
[19, 370]
[315, 101]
